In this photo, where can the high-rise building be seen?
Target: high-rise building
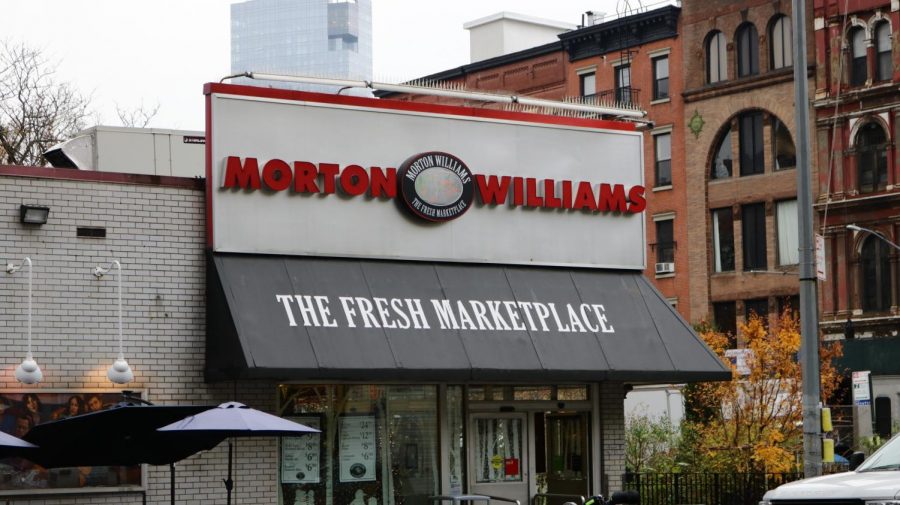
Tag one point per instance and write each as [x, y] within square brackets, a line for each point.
[321, 38]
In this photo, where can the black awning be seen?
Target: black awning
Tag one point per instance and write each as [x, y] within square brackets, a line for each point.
[298, 318]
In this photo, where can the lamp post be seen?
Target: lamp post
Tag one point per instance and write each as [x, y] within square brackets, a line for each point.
[873, 232]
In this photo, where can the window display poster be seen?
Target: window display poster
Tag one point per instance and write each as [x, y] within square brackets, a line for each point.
[357, 450]
[301, 456]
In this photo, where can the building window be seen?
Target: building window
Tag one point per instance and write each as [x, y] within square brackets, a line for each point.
[723, 240]
[791, 303]
[781, 43]
[662, 146]
[725, 318]
[661, 77]
[588, 84]
[871, 158]
[665, 241]
[788, 232]
[750, 132]
[857, 56]
[758, 306]
[747, 50]
[716, 58]
[784, 155]
[876, 275]
[623, 85]
[753, 227]
[721, 167]
[883, 63]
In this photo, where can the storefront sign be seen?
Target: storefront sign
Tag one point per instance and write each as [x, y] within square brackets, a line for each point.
[321, 311]
[861, 394]
[301, 456]
[305, 174]
[358, 452]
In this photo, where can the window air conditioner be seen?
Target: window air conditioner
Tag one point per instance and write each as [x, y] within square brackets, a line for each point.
[665, 268]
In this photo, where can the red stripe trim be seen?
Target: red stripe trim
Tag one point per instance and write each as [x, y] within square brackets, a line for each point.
[373, 103]
[72, 174]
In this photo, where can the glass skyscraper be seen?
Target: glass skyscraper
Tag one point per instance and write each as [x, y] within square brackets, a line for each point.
[319, 38]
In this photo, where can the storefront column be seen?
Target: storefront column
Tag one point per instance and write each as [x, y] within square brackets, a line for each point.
[612, 432]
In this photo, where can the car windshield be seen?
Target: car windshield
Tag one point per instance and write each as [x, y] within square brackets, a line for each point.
[886, 458]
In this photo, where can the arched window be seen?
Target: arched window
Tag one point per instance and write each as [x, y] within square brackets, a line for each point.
[747, 50]
[721, 166]
[784, 153]
[857, 56]
[871, 158]
[883, 63]
[716, 58]
[876, 275]
[750, 143]
[781, 43]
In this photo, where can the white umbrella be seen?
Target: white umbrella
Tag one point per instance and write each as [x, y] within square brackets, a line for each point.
[233, 419]
[7, 440]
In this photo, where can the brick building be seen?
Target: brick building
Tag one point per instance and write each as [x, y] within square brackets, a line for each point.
[740, 158]
[856, 109]
[631, 61]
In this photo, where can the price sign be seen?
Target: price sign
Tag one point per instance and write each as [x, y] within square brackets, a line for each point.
[358, 448]
[301, 456]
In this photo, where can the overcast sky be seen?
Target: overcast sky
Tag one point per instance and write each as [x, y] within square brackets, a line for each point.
[129, 52]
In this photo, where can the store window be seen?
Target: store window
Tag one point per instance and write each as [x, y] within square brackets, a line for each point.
[781, 43]
[876, 275]
[747, 40]
[857, 38]
[716, 58]
[660, 77]
[753, 224]
[883, 64]
[788, 232]
[665, 241]
[662, 150]
[784, 154]
[750, 133]
[725, 318]
[723, 239]
[871, 158]
[722, 163]
[623, 85]
[378, 444]
[491, 392]
[588, 84]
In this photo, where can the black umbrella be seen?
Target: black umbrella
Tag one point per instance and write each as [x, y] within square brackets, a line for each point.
[124, 435]
[235, 419]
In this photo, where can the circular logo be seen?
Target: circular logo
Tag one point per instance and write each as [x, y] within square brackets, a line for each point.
[436, 186]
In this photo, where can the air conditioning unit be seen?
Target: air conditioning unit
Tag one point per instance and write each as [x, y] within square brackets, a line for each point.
[665, 268]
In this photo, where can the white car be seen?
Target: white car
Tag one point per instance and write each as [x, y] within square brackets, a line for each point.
[875, 482]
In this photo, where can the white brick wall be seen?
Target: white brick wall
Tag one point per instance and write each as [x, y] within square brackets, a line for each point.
[158, 233]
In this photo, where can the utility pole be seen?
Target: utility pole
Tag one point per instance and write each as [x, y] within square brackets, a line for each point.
[809, 315]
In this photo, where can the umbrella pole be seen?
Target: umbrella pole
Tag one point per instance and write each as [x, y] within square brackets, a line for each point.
[229, 484]
[172, 482]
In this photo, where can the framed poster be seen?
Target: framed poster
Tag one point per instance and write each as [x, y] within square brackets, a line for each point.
[358, 452]
[301, 456]
[20, 410]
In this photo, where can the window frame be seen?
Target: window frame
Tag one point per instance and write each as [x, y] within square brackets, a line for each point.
[883, 69]
[781, 43]
[753, 235]
[665, 249]
[858, 63]
[582, 77]
[657, 80]
[720, 146]
[776, 127]
[720, 249]
[660, 164]
[871, 158]
[716, 58]
[623, 91]
[747, 49]
[751, 146]
[787, 234]
[875, 253]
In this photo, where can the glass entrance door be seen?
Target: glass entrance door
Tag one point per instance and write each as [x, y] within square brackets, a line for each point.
[498, 455]
[567, 456]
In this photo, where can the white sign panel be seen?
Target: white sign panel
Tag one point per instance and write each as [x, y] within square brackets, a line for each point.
[301, 455]
[820, 258]
[323, 175]
[861, 394]
[358, 451]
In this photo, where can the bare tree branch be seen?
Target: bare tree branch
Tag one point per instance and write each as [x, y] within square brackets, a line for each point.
[138, 117]
[36, 110]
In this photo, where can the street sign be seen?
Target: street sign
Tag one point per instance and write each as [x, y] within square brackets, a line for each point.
[861, 395]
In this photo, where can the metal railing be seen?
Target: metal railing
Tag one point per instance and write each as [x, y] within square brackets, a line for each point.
[706, 488]
[556, 497]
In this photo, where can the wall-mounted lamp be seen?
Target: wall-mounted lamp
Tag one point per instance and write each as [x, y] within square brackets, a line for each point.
[119, 372]
[33, 214]
[28, 372]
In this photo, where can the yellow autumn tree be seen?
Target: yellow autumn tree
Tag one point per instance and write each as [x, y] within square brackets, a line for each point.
[752, 423]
